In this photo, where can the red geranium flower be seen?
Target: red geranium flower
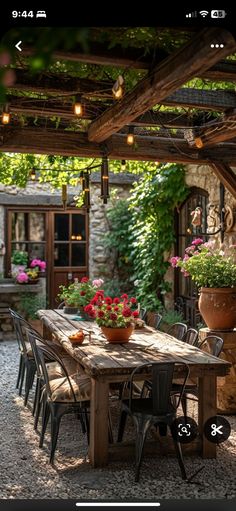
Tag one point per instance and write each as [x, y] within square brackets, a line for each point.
[108, 308]
[82, 293]
[116, 309]
[133, 300]
[126, 312]
[124, 296]
[135, 314]
[84, 279]
[101, 314]
[116, 300]
[108, 300]
[113, 316]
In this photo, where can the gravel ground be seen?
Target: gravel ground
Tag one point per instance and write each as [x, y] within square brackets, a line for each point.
[26, 473]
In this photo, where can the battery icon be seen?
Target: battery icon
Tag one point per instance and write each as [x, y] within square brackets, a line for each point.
[218, 14]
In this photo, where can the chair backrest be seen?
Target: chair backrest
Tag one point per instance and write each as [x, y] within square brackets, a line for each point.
[212, 344]
[161, 374]
[61, 305]
[33, 339]
[143, 313]
[19, 323]
[191, 337]
[153, 319]
[178, 330]
[45, 354]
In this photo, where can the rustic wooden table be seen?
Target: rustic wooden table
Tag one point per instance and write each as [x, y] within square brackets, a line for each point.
[108, 363]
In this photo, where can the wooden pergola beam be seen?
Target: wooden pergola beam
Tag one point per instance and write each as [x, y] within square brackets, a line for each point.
[226, 176]
[149, 148]
[55, 83]
[217, 132]
[50, 108]
[168, 76]
[134, 58]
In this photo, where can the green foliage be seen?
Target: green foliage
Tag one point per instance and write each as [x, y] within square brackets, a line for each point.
[30, 303]
[142, 231]
[210, 269]
[170, 317]
[151, 236]
[19, 257]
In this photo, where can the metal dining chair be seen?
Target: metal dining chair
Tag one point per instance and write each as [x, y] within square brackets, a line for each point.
[178, 330]
[191, 337]
[158, 409]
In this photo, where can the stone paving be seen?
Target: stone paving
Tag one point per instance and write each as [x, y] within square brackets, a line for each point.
[26, 474]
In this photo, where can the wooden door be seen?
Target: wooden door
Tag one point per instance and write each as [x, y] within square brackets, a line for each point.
[68, 253]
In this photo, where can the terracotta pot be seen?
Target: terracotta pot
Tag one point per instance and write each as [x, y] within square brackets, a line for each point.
[218, 307]
[117, 335]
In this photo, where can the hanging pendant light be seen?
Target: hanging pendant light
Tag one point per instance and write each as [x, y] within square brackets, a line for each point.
[105, 180]
[78, 107]
[6, 117]
[118, 88]
[123, 165]
[130, 136]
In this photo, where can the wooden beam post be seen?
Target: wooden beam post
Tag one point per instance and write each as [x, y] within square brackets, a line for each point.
[168, 76]
[226, 176]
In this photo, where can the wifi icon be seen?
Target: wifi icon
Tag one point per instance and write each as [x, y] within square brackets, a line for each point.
[203, 13]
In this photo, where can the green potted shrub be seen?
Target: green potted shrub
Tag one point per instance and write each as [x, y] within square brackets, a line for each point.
[30, 303]
[169, 318]
[19, 261]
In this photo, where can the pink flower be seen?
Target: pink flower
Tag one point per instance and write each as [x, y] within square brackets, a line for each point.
[97, 282]
[174, 260]
[190, 250]
[197, 241]
[22, 277]
[42, 266]
[186, 257]
[35, 262]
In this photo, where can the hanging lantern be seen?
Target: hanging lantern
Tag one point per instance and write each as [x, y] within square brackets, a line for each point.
[64, 195]
[104, 180]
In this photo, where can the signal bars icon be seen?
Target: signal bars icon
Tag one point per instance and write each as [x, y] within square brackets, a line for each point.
[191, 15]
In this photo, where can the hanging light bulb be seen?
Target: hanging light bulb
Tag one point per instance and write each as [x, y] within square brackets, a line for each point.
[118, 88]
[123, 165]
[6, 115]
[130, 136]
[198, 142]
[104, 180]
[78, 107]
[64, 195]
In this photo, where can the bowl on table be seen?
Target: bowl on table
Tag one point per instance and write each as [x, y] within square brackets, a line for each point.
[78, 337]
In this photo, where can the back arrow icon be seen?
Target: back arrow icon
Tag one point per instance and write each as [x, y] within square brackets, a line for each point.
[17, 45]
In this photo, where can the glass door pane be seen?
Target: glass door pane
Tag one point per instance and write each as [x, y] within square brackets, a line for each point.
[61, 229]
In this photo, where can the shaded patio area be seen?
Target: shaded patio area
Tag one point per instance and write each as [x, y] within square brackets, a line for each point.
[26, 473]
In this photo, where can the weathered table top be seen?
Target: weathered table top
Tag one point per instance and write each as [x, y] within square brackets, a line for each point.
[99, 357]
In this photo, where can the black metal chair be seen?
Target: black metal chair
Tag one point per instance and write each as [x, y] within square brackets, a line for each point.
[191, 337]
[154, 320]
[68, 394]
[178, 330]
[143, 313]
[212, 345]
[158, 409]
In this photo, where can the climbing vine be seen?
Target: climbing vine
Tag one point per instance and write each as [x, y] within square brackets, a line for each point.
[142, 231]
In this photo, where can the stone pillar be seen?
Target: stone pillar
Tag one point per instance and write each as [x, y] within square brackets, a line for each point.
[226, 386]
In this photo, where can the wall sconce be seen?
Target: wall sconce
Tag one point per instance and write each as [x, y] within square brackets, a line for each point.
[6, 117]
[118, 88]
[123, 165]
[64, 195]
[104, 180]
[130, 136]
[86, 191]
[78, 107]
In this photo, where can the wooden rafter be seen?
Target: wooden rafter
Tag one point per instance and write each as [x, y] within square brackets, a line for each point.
[134, 58]
[58, 142]
[173, 72]
[226, 175]
[216, 132]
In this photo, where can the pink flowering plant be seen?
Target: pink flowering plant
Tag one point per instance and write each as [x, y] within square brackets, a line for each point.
[79, 294]
[119, 312]
[207, 265]
[38, 264]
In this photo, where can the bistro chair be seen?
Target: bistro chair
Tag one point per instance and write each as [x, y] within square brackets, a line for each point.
[191, 337]
[158, 409]
[143, 313]
[212, 345]
[68, 394]
[155, 320]
[178, 330]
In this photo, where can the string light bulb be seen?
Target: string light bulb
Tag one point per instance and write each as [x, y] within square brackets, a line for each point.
[33, 174]
[6, 117]
[130, 136]
[198, 142]
[118, 88]
[78, 107]
[123, 165]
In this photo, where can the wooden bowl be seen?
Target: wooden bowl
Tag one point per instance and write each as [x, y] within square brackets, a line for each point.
[77, 338]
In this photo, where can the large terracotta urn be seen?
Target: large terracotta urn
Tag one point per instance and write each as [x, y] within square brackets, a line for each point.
[117, 335]
[218, 307]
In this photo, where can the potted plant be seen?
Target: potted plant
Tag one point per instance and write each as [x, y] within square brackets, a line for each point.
[19, 261]
[30, 303]
[214, 272]
[78, 294]
[116, 316]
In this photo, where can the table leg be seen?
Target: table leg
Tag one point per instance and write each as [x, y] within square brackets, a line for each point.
[99, 402]
[207, 408]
